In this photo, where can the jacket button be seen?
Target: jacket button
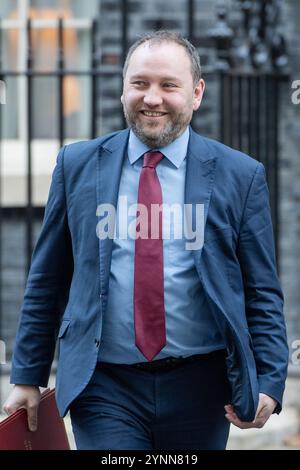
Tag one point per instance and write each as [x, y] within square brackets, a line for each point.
[97, 342]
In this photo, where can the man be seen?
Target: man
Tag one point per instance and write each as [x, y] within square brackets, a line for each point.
[163, 342]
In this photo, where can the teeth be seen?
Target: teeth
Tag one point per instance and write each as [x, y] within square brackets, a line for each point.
[152, 114]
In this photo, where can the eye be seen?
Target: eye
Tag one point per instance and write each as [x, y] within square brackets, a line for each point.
[139, 83]
[169, 85]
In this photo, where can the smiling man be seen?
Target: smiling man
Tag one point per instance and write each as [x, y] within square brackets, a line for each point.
[159, 96]
[161, 346]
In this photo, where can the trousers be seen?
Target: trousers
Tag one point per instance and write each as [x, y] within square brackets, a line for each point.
[125, 407]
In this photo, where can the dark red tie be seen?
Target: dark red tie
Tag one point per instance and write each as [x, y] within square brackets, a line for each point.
[149, 309]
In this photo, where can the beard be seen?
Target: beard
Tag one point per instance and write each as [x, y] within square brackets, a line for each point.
[152, 134]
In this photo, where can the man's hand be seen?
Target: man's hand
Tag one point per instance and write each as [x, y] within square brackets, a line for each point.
[266, 406]
[24, 396]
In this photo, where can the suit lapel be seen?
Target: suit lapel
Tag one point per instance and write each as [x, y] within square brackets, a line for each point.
[109, 167]
[200, 173]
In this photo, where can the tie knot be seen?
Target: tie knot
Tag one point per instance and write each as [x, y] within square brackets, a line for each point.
[152, 159]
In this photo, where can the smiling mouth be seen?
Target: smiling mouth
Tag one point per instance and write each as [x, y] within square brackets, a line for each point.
[153, 113]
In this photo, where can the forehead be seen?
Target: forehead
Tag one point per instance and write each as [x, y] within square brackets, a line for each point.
[166, 58]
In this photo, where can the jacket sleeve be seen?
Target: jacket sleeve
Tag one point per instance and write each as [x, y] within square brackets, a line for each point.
[263, 295]
[46, 291]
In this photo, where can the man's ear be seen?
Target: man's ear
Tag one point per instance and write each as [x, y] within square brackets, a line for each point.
[122, 99]
[198, 94]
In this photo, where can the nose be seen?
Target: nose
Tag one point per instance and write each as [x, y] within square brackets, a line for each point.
[152, 97]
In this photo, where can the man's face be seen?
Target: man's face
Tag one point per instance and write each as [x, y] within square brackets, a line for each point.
[159, 96]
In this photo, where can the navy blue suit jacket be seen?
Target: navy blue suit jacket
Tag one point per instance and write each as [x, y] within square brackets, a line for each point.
[67, 288]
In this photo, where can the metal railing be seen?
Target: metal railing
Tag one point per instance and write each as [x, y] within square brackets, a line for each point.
[29, 214]
[249, 121]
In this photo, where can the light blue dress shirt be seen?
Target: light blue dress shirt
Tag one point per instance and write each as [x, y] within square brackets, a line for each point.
[190, 327]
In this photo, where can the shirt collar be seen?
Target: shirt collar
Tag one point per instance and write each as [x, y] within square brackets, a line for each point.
[175, 152]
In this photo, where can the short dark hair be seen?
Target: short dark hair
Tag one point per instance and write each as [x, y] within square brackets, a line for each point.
[158, 37]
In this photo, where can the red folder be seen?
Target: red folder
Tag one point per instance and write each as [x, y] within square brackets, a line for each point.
[50, 435]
